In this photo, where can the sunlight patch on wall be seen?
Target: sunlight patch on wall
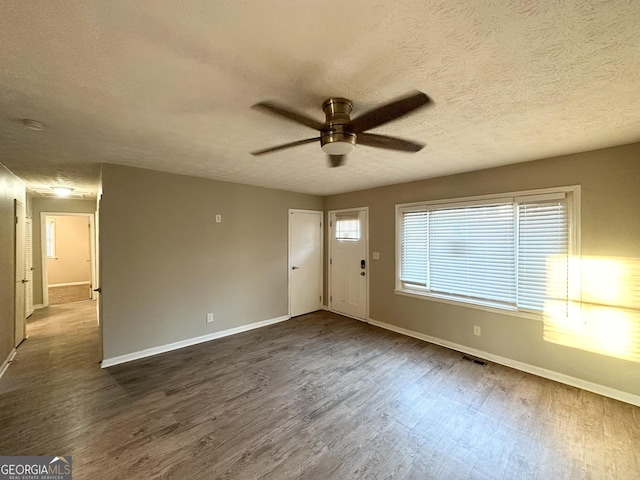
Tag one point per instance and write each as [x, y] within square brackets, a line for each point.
[599, 309]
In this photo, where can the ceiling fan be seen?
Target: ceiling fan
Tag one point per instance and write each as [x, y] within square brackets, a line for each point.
[339, 133]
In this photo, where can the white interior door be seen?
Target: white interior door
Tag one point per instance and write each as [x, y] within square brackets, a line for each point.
[305, 261]
[348, 264]
[19, 310]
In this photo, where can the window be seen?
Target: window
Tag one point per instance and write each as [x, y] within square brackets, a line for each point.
[50, 235]
[508, 252]
[348, 227]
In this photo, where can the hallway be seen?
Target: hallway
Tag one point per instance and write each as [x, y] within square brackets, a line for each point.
[50, 392]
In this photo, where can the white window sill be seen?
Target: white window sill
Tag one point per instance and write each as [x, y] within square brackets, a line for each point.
[487, 307]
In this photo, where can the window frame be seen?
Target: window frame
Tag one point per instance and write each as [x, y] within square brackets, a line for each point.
[573, 194]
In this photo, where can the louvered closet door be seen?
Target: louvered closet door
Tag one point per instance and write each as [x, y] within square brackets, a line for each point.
[28, 265]
[19, 236]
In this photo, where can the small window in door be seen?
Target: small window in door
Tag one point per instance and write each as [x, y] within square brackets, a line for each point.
[348, 227]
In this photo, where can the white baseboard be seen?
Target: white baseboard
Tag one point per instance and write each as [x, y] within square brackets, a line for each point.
[347, 315]
[149, 352]
[36, 307]
[525, 367]
[7, 362]
[70, 284]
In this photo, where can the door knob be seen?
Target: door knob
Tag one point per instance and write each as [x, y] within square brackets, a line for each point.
[24, 280]
[294, 268]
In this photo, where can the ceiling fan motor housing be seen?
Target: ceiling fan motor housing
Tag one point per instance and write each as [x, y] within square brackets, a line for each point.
[337, 137]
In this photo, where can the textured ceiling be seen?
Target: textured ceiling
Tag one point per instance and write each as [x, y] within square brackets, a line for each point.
[168, 85]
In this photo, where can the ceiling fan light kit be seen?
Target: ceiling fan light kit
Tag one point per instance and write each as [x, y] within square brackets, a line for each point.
[62, 191]
[339, 134]
[337, 138]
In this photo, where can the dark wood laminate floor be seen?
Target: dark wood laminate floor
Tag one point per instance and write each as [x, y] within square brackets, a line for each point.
[318, 397]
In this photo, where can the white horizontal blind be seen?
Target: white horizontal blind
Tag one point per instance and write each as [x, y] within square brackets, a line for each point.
[543, 248]
[415, 248]
[348, 227]
[510, 251]
[472, 252]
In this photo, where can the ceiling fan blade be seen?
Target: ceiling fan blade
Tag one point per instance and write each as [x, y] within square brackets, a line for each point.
[286, 145]
[336, 160]
[390, 143]
[390, 111]
[282, 111]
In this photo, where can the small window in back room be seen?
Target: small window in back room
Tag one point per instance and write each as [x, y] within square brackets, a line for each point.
[348, 227]
[50, 234]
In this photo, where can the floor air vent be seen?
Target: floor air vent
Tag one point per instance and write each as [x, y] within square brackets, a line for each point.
[474, 360]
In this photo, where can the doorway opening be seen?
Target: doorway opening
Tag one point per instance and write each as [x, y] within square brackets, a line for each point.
[68, 257]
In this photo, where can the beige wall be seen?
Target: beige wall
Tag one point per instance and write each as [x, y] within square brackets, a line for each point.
[11, 188]
[610, 228]
[165, 263]
[72, 262]
[51, 205]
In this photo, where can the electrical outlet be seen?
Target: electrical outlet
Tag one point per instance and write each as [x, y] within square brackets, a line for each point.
[476, 330]
[376, 255]
[218, 218]
[209, 317]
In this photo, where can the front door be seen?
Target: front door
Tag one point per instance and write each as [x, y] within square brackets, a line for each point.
[348, 263]
[305, 261]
